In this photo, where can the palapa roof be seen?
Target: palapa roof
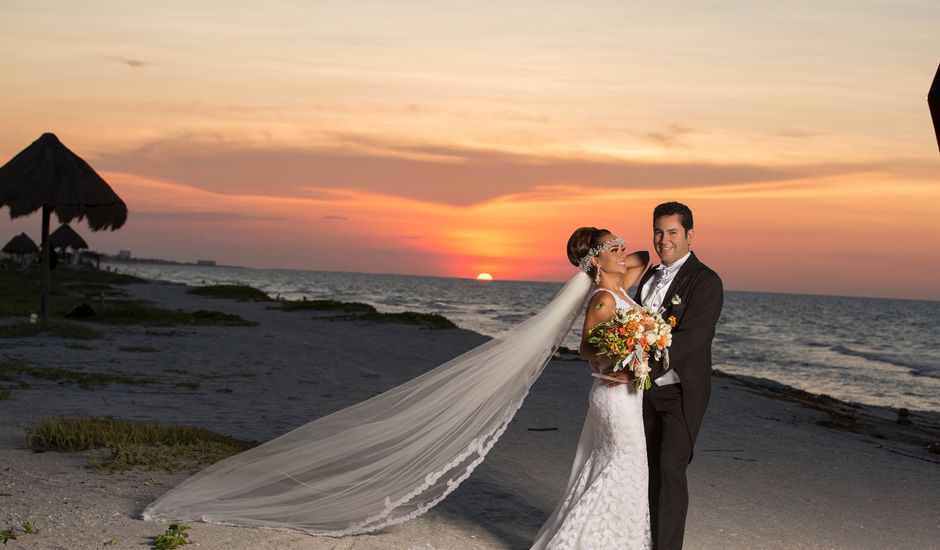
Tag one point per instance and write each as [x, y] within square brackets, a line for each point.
[933, 101]
[21, 244]
[66, 237]
[48, 173]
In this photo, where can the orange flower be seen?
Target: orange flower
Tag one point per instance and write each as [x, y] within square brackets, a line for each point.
[662, 341]
[672, 320]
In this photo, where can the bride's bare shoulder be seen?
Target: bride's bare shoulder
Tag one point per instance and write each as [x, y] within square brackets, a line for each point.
[602, 300]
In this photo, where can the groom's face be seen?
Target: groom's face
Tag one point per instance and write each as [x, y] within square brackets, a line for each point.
[670, 239]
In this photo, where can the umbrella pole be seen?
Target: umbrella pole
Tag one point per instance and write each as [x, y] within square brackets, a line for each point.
[44, 266]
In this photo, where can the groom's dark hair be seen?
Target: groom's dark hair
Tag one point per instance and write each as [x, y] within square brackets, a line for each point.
[670, 208]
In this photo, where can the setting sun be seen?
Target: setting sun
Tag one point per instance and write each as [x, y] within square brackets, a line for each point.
[484, 277]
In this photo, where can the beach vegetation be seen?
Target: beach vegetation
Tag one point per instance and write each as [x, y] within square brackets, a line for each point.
[425, 320]
[174, 537]
[142, 312]
[357, 311]
[79, 346]
[27, 528]
[55, 374]
[128, 443]
[71, 287]
[68, 288]
[242, 293]
[327, 305]
[59, 329]
[5, 394]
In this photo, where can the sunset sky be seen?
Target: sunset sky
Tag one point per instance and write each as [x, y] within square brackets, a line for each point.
[457, 137]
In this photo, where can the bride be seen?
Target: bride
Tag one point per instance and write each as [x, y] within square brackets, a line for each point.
[606, 502]
[391, 458]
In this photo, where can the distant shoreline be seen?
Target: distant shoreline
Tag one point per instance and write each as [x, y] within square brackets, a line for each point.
[106, 258]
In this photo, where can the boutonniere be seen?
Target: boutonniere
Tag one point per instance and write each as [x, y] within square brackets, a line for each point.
[676, 300]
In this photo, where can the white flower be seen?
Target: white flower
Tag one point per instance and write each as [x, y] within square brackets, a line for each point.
[651, 338]
[676, 300]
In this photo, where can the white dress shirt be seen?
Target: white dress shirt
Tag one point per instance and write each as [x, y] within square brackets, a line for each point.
[653, 294]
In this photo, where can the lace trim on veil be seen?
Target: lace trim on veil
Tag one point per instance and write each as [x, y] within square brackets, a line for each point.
[474, 447]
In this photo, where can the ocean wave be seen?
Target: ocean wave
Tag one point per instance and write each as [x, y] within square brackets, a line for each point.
[916, 367]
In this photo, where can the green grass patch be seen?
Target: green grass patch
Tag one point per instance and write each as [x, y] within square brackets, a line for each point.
[141, 312]
[79, 346]
[358, 311]
[67, 288]
[11, 370]
[327, 305]
[5, 394]
[242, 293]
[128, 443]
[60, 329]
[425, 320]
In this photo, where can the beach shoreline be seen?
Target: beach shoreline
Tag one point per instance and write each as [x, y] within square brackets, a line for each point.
[769, 457]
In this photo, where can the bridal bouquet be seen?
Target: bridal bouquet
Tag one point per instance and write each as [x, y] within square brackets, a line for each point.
[630, 337]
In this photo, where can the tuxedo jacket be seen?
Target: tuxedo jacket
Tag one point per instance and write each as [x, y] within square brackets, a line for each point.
[700, 297]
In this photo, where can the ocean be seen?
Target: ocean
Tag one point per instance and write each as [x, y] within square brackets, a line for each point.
[867, 350]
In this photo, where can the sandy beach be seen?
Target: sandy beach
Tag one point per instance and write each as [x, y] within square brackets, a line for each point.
[774, 467]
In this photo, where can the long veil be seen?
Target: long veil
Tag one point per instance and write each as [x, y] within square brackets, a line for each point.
[390, 458]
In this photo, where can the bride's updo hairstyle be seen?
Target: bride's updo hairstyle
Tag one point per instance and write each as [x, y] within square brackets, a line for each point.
[581, 241]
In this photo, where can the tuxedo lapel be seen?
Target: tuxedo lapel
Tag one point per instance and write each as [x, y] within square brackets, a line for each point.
[677, 286]
[638, 298]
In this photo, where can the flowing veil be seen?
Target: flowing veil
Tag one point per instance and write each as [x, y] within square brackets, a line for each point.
[390, 458]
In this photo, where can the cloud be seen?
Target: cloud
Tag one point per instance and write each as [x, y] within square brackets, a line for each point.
[440, 174]
[135, 63]
[192, 216]
[340, 218]
[671, 137]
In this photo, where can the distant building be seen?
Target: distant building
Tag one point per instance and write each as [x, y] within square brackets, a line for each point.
[205, 262]
[124, 255]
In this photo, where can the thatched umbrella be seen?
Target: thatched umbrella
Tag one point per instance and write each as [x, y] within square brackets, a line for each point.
[66, 237]
[933, 100]
[21, 244]
[48, 176]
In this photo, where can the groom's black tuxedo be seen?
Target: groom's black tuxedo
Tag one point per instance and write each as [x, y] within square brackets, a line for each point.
[673, 414]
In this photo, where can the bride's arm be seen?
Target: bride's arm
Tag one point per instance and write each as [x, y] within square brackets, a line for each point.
[601, 308]
[636, 266]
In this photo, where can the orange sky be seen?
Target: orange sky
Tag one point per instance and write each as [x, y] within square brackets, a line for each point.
[455, 139]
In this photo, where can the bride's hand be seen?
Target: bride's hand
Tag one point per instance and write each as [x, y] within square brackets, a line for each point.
[624, 377]
[600, 364]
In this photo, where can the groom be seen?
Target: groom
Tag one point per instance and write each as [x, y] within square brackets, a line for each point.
[673, 408]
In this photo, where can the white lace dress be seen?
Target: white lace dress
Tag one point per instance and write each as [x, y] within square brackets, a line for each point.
[606, 502]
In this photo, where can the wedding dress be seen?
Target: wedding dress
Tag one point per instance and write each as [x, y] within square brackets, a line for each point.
[606, 502]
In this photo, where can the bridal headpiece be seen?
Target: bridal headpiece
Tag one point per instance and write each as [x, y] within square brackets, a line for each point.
[585, 262]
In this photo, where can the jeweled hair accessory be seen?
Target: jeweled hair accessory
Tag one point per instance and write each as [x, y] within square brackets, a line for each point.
[585, 263]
